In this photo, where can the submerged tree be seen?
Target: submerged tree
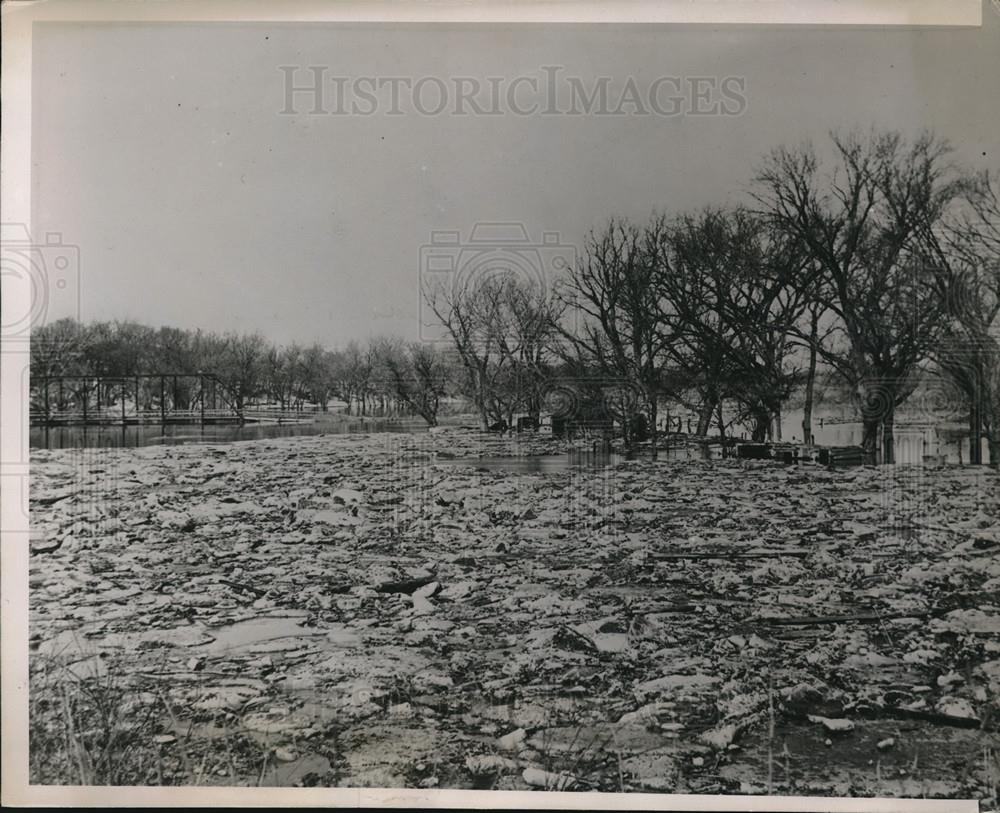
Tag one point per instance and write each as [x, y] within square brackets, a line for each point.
[966, 255]
[418, 375]
[620, 329]
[731, 285]
[319, 378]
[501, 328]
[860, 221]
[283, 374]
[240, 367]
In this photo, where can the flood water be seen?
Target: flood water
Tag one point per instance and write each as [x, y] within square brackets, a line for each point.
[913, 444]
[74, 437]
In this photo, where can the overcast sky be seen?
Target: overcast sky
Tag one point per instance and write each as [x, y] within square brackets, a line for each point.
[159, 150]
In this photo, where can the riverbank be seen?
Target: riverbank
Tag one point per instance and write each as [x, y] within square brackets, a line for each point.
[353, 610]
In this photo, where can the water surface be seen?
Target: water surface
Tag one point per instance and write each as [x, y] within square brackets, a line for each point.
[73, 437]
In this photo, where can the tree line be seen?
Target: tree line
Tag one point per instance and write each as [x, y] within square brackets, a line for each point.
[877, 261]
[380, 377]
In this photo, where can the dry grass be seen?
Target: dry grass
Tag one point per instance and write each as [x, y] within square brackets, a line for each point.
[89, 729]
[93, 726]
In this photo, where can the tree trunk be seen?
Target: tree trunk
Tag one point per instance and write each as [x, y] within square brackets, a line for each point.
[705, 418]
[652, 437]
[888, 438]
[876, 403]
[626, 422]
[761, 426]
[991, 428]
[869, 437]
[807, 437]
[722, 426]
[535, 407]
[480, 395]
[976, 426]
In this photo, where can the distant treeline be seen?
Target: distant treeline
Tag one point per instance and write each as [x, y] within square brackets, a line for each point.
[379, 377]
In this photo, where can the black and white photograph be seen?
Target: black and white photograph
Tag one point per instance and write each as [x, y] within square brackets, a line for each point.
[551, 410]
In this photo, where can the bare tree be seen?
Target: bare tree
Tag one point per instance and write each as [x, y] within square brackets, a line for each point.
[615, 295]
[284, 374]
[354, 374]
[814, 336]
[501, 328]
[418, 376]
[860, 223]
[528, 338]
[966, 265]
[319, 374]
[240, 367]
[55, 348]
[729, 284]
[55, 351]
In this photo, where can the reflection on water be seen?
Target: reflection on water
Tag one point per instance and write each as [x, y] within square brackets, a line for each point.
[71, 437]
[912, 442]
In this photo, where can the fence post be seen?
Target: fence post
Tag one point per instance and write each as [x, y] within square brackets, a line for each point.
[123, 402]
[163, 401]
[202, 397]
